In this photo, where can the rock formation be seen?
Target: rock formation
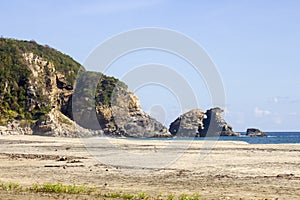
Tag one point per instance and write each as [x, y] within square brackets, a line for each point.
[37, 89]
[254, 132]
[117, 112]
[39, 94]
[46, 82]
[188, 124]
[215, 125]
[195, 123]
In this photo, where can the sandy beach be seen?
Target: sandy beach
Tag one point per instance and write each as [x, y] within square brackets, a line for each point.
[215, 170]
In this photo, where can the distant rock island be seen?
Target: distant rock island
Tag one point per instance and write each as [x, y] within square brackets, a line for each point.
[254, 132]
[37, 92]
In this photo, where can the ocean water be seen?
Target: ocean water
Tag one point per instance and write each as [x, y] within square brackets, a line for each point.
[273, 138]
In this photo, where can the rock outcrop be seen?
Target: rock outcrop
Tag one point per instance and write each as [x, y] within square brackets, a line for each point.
[188, 124]
[37, 86]
[117, 112]
[254, 132]
[196, 123]
[215, 125]
[56, 91]
[15, 129]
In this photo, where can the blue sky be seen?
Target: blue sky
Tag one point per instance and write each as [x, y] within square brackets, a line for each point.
[254, 44]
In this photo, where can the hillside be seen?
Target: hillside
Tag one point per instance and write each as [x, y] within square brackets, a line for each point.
[36, 88]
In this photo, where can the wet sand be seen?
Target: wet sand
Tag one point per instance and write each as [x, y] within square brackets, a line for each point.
[216, 170]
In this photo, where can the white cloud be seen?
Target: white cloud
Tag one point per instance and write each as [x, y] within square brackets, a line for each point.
[284, 100]
[234, 116]
[275, 99]
[293, 113]
[260, 113]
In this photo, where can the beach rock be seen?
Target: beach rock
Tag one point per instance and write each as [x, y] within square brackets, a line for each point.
[254, 132]
[188, 124]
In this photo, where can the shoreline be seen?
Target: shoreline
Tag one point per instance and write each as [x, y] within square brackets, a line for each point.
[225, 170]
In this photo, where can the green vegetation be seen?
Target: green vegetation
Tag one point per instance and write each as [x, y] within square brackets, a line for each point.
[10, 186]
[11, 56]
[171, 197]
[128, 196]
[22, 100]
[143, 195]
[105, 88]
[15, 77]
[187, 197]
[60, 188]
[113, 195]
[99, 94]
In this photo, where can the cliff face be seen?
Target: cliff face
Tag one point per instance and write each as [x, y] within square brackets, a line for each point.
[37, 90]
[112, 107]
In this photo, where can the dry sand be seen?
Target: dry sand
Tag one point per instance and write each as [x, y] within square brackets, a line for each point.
[216, 170]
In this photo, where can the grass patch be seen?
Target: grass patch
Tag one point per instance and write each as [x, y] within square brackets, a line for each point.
[128, 196]
[171, 197]
[59, 188]
[143, 195]
[113, 195]
[10, 186]
[188, 197]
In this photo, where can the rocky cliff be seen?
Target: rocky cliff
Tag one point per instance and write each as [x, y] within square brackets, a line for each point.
[112, 107]
[36, 83]
[36, 95]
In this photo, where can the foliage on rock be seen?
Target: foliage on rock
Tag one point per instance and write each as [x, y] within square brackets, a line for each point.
[20, 95]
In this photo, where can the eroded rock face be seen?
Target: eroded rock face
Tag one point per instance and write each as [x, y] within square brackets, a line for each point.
[254, 132]
[43, 95]
[49, 89]
[116, 109]
[188, 124]
[196, 123]
[215, 125]
[57, 124]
